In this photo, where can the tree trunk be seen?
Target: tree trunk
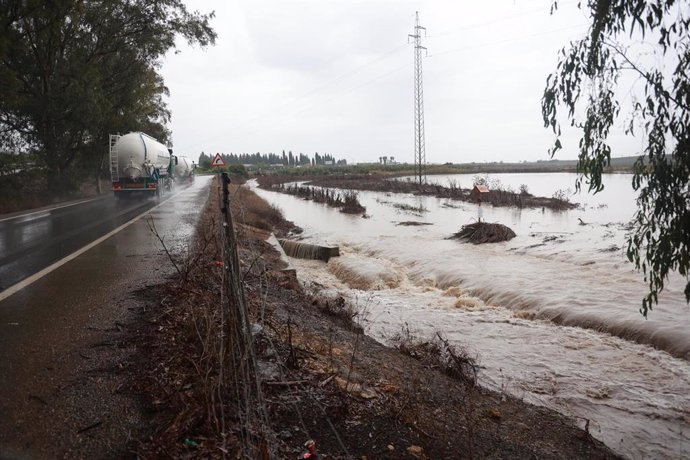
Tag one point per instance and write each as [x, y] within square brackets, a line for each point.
[56, 165]
[54, 179]
[99, 173]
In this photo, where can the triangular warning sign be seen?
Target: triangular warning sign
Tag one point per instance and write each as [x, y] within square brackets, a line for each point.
[218, 160]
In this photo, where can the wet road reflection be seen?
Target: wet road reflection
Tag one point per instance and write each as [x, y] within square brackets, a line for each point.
[31, 242]
[52, 331]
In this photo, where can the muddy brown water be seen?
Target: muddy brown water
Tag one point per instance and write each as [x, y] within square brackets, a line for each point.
[552, 314]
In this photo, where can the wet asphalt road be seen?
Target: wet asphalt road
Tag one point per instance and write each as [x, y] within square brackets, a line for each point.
[33, 241]
[48, 329]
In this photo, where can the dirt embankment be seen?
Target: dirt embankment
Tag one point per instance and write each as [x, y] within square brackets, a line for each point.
[321, 378]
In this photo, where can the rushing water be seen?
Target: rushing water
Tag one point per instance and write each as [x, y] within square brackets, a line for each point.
[552, 314]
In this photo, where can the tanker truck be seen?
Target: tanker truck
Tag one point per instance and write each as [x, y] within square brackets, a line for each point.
[183, 172]
[139, 163]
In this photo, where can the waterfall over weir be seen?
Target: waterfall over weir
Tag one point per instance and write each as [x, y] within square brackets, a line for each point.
[309, 251]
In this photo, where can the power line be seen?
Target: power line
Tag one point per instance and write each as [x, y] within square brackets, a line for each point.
[252, 128]
[501, 42]
[269, 109]
[351, 72]
[489, 22]
[343, 92]
[250, 125]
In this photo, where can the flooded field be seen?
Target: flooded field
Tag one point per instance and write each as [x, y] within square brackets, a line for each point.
[552, 314]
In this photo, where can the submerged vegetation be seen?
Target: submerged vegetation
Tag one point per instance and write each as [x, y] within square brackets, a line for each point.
[378, 183]
[346, 200]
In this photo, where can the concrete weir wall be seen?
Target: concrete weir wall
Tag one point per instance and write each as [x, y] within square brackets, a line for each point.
[309, 251]
[273, 241]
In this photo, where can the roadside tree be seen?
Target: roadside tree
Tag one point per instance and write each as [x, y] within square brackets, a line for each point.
[73, 71]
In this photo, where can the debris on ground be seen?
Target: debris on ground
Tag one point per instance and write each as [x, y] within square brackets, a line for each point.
[413, 223]
[484, 232]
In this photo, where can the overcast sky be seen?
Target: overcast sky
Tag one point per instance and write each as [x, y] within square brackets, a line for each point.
[336, 76]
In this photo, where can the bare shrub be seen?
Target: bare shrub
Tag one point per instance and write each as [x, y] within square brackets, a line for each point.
[438, 353]
[480, 180]
[562, 195]
[408, 207]
[351, 204]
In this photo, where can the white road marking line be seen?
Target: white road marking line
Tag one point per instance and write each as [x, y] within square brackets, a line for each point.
[50, 209]
[40, 274]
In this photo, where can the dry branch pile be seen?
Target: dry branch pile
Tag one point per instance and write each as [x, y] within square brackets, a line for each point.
[484, 232]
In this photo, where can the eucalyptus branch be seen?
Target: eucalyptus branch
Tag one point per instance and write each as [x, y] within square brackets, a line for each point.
[644, 74]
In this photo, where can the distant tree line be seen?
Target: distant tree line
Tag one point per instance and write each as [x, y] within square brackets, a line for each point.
[72, 72]
[286, 159]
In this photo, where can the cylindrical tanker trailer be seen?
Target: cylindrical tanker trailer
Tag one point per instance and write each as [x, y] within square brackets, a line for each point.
[184, 169]
[139, 162]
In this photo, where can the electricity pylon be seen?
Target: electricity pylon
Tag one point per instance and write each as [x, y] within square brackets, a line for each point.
[419, 148]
